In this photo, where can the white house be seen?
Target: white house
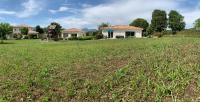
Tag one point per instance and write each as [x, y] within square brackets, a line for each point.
[124, 31]
[73, 32]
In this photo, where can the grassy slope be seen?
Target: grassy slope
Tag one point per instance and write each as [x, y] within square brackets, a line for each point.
[163, 69]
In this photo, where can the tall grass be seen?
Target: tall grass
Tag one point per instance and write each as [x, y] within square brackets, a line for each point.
[165, 69]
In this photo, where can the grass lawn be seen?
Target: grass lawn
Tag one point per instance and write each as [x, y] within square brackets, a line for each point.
[165, 69]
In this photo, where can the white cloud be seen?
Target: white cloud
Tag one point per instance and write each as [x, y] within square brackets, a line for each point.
[86, 5]
[30, 8]
[190, 17]
[5, 12]
[71, 22]
[123, 12]
[61, 9]
[117, 12]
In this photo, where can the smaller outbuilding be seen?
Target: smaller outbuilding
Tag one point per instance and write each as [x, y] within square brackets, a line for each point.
[121, 31]
[73, 32]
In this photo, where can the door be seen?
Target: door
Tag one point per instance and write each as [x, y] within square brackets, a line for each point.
[110, 34]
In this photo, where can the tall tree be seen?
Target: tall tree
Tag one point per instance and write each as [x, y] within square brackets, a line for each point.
[5, 29]
[39, 29]
[175, 21]
[140, 22]
[24, 31]
[150, 30]
[103, 25]
[197, 24]
[159, 20]
[55, 30]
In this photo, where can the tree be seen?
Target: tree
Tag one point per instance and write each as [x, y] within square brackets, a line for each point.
[175, 21]
[103, 25]
[197, 24]
[140, 22]
[150, 30]
[54, 29]
[39, 29]
[159, 20]
[5, 29]
[99, 34]
[24, 31]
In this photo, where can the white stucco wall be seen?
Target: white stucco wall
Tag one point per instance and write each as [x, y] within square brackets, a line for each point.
[70, 35]
[105, 34]
[138, 33]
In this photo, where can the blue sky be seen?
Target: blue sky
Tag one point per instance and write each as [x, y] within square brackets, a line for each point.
[90, 13]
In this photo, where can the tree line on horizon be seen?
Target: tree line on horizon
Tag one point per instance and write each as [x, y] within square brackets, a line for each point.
[159, 23]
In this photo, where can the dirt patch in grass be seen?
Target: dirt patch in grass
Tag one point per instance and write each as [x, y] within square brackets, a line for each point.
[191, 92]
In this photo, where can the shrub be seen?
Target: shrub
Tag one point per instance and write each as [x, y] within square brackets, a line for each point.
[17, 36]
[73, 38]
[158, 34]
[119, 37]
[149, 31]
[32, 36]
[25, 37]
[82, 38]
[86, 38]
[99, 36]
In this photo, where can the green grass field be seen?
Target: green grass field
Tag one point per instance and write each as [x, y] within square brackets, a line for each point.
[164, 69]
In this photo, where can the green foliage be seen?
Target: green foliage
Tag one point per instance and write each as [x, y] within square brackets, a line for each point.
[103, 25]
[159, 20]
[24, 31]
[99, 36]
[39, 29]
[18, 36]
[55, 32]
[197, 24]
[119, 37]
[175, 21]
[82, 38]
[140, 22]
[32, 36]
[5, 29]
[150, 31]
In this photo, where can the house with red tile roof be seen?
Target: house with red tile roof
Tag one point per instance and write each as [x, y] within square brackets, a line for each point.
[73, 32]
[122, 31]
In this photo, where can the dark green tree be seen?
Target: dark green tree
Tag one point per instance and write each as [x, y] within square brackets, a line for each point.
[39, 29]
[175, 21]
[103, 25]
[24, 31]
[140, 22]
[159, 20]
[197, 24]
[5, 29]
[99, 34]
[54, 30]
[149, 31]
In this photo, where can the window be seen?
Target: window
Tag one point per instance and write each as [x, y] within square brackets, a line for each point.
[73, 35]
[130, 34]
[65, 35]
